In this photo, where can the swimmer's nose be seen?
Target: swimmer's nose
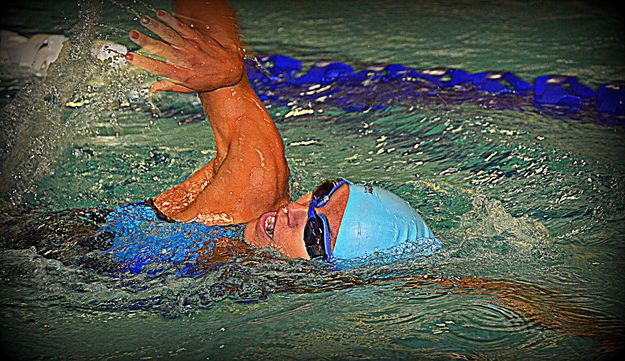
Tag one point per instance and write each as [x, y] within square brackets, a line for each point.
[296, 213]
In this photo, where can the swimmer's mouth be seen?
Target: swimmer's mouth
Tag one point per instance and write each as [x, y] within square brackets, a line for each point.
[269, 223]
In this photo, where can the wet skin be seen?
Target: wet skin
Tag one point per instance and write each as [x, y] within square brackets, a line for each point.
[247, 181]
[284, 228]
[249, 174]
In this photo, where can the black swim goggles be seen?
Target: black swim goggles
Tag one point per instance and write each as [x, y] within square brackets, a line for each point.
[317, 230]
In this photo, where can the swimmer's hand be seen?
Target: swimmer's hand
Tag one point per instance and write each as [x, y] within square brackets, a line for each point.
[194, 60]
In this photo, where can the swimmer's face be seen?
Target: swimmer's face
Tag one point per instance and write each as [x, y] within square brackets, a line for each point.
[284, 229]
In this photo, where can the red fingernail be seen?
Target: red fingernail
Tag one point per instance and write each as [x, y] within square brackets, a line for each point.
[134, 34]
[160, 13]
[129, 56]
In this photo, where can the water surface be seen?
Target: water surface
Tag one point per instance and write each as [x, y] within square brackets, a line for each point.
[529, 206]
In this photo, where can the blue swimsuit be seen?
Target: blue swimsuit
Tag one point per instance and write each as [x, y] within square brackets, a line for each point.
[143, 243]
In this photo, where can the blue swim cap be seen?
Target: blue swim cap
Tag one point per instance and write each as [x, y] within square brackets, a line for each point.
[376, 219]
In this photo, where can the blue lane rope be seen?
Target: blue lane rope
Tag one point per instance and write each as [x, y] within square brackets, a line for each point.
[281, 82]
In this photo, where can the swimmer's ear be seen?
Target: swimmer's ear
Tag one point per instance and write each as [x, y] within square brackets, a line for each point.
[166, 85]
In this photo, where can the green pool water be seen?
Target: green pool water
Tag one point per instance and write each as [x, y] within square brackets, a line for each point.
[532, 205]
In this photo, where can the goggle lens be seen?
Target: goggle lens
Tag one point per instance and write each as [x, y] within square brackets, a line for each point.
[316, 232]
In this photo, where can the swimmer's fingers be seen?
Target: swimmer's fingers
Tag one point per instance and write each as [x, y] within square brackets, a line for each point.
[166, 85]
[163, 31]
[200, 39]
[180, 27]
[178, 79]
[183, 45]
[166, 70]
[192, 59]
[154, 46]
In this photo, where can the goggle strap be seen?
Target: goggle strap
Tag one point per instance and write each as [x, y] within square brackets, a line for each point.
[321, 201]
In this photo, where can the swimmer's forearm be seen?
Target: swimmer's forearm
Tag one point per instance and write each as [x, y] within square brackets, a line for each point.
[249, 161]
[179, 197]
[226, 108]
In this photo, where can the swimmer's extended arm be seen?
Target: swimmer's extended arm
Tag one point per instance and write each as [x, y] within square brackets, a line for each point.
[249, 174]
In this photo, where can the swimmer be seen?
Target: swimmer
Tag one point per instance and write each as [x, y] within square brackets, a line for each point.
[248, 179]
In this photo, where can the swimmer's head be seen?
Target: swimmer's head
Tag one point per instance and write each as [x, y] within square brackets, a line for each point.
[338, 219]
[375, 219]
